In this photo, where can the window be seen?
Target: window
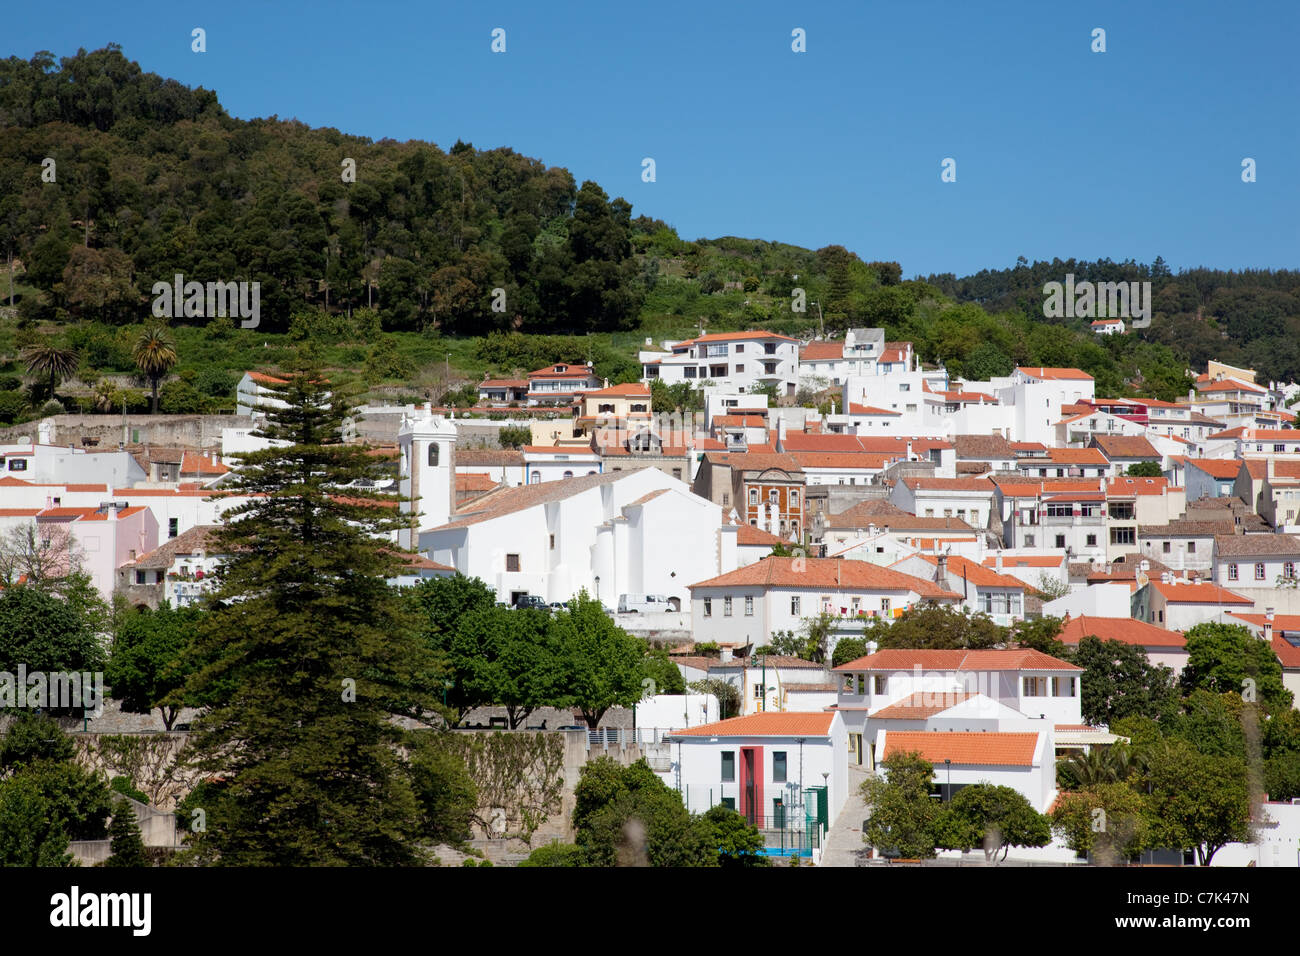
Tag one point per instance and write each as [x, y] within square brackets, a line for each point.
[1191, 547]
[689, 371]
[1259, 571]
[740, 370]
[778, 766]
[535, 477]
[794, 606]
[794, 498]
[726, 607]
[758, 692]
[753, 496]
[904, 387]
[1288, 569]
[1060, 541]
[568, 474]
[1232, 572]
[1063, 686]
[878, 683]
[552, 542]
[773, 495]
[730, 804]
[884, 605]
[728, 766]
[512, 562]
[1166, 547]
[947, 512]
[1279, 448]
[1092, 541]
[1029, 541]
[433, 454]
[677, 473]
[1123, 535]
[749, 605]
[17, 464]
[173, 527]
[739, 348]
[1035, 687]
[726, 499]
[929, 512]
[140, 577]
[708, 607]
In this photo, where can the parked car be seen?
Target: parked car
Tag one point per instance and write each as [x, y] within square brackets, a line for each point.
[558, 605]
[533, 601]
[645, 603]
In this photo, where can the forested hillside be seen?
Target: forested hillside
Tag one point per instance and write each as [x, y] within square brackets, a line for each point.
[389, 279]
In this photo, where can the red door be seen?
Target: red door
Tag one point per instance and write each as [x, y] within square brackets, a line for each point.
[751, 784]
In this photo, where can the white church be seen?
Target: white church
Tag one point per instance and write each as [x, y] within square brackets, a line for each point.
[624, 532]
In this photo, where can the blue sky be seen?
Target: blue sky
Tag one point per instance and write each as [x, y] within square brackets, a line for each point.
[1135, 152]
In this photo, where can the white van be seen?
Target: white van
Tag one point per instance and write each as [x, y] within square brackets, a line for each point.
[644, 603]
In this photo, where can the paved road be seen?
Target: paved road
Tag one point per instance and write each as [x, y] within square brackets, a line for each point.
[845, 838]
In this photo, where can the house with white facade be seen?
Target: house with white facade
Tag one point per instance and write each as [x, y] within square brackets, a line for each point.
[106, 537]
[831, 362]
[778, 770]
[735, 361]
[561, 384]
[1024, 761]
[748, 605]
[627, 532]
[1000, 596]
[972, 500]
[1253, 563]
[1180, 605]
[1036, 686]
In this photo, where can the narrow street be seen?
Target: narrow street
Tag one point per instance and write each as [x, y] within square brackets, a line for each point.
[845, 836]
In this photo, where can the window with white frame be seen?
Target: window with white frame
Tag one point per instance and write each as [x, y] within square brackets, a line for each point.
[1259, 570]
[726, 607]
[1232, 572]
[749, 605]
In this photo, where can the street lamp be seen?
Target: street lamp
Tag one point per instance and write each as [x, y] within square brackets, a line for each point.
[598, 587]
[947, 761]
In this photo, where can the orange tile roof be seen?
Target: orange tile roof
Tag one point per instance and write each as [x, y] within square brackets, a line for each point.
[1056, 373]
[824, 574]
[100, 515]
[838, 459]
[264, 379]
[473, 481]
[968, 749]
[1137, 486]
[733, 336]
[8, 481]
[66, 512]
[855, 409]
[1025, 561]
[1014, 659]
[767, 724]
[1077, 456]
[1123, 629]
[976, 574]
[921, 705]
[1217, 467]
[1200, 593]
[821, 351]
[192, 464]
[748, 535]
[629, 390]
[503, 383]
[19, 512]
[950, 484]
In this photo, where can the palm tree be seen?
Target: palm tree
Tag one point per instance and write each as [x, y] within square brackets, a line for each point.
[154, 354]
[52, 360]
[105, 394]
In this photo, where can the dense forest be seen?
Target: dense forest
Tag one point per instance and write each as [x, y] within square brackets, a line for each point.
[382, 259]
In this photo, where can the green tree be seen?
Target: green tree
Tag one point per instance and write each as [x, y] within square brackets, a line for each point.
[1225, 657]
[1197, 801]
[1119, 682]
[727, 694]
[51, 361]
[46, 633]
[307, 655]
[124, 834]
[603, 664]
[150, 662]
[31, 833]
[1041, 634]
[904, 819]
[32, 737]
[995, 818]
[1111, 821]
[666, 675]
[514, 436]
[932, 626]
[738, 842]
[1144, 469]
[849, 649]
[507, 657]
[444, 789]
[154, 354]
[556, 854]
[627, 816]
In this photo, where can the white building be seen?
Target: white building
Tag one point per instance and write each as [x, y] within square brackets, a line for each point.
[765, 766]
[622, 532]
[428, 467]
[750, 604]
[735, 361]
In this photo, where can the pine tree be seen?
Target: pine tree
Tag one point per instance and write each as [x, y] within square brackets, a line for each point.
[124, 832]
[305, 657]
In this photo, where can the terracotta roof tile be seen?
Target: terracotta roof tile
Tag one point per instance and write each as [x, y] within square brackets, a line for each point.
[1123, 629]
[968, 749]
[824, 574]
[768, 724]
[921, 705]
[1015, 659]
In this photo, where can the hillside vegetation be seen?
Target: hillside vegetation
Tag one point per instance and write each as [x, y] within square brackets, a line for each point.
[390, 280]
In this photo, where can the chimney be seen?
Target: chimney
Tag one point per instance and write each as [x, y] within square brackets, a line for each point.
[1268, 624]
[909, 449]
[724, 654]
[999, 561]
[941, 573]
